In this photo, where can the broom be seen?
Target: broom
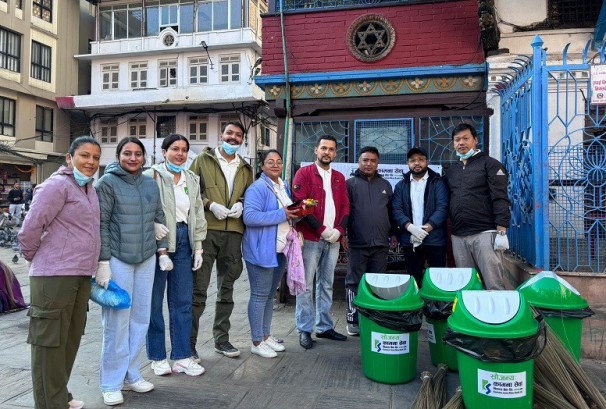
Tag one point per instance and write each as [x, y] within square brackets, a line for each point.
[424, 399]
[438, 385]
[545, 399]
[456, 402]
[543, 381]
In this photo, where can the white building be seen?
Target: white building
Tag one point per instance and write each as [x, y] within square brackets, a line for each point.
[181, 66]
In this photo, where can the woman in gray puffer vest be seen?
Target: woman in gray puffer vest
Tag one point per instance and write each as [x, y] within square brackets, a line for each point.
[130, 205]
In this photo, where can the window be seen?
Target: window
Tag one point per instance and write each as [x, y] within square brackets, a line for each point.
[392, 137]
[165, 125]
[44, 123]
[10, 50]
[41, 62]
[573, 13]
[198, 128]
[265, 138]
[137, 127]
[220, 15]
[109, 132]
[43, 9]
[109, 73]
[230, 68]
[117, 22]
[138, 75]
[7, 116]
[179, 17]
[19, 4]
[198, 71]
[168, 73]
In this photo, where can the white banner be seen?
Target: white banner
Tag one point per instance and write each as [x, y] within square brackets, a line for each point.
[598, 84]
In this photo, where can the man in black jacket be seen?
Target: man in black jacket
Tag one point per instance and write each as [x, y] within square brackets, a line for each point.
[479, 208]
[369, 228]
[420, 208]
[15, 200]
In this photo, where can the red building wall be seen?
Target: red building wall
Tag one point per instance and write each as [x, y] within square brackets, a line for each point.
[426, 35]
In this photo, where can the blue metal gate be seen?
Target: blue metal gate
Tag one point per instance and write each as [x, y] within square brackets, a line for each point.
[554, 146]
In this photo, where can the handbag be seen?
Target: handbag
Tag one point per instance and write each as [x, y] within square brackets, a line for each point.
[114, 297]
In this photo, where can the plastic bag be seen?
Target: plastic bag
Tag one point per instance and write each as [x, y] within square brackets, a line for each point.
[295, 272]
[580, 314]
[437, 310]
[500, 350]
[114, 297]
[405, 321]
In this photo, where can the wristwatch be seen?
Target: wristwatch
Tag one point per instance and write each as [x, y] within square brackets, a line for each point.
[501, 232]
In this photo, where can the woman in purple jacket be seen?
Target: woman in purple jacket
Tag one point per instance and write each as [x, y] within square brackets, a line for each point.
[60, 237]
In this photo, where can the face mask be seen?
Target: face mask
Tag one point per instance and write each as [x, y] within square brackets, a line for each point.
[466, 155]
[80, 178]
[230, 149]
[174, 168]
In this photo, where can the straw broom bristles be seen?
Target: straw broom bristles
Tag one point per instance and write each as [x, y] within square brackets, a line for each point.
[456, 402]
[542, 380]
[545, 399]
[424, 399]
[438, 384]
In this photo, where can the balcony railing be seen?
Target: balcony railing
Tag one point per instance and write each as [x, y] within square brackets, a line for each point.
[290, 5]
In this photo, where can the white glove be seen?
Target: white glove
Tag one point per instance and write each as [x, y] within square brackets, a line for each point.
[501, 242]
[104, 274]
[236, 210]
[197, 259]
[220, 211]
[327, 233]
[417, 231]
[160, 230]
[166, 264]
[415, 242]
[334, 236]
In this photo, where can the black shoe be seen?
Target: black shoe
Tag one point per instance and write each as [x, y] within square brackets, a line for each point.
[227, 349]
[305, 340]
[331, 334]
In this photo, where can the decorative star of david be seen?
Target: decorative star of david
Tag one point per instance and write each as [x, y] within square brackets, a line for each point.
[370, 47]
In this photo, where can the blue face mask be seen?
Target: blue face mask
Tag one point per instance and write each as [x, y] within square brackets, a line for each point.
[230, 149]
[466, 155]
[174, 168]
[80, 178]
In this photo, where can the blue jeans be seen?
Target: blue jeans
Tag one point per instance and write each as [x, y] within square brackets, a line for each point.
[124, 330]
[319, 259]
[264, 282]
[179, 294]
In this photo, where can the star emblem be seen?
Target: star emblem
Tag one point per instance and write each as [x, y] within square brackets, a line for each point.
[371, 39]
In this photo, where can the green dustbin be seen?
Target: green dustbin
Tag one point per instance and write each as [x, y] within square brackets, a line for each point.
[561, 305]
[497, 339]
[440, 286]
[389, 327]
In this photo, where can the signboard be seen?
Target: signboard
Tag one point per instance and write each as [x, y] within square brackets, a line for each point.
[598, 84]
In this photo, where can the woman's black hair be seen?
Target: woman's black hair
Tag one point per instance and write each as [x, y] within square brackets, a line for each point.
[128, 139]
[172, 138]
[81, 140]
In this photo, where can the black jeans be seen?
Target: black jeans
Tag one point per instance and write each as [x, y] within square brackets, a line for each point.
[415, 259]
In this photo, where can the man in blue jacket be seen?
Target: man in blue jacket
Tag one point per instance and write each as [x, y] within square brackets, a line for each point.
[420, 208]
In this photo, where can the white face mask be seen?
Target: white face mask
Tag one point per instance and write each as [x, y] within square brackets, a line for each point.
[466, 155]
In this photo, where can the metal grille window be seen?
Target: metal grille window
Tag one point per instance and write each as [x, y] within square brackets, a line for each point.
[109, 132]
[306, 136]
[10, 50]
[165, 125]
[138, 75]
[198, 128]
[574, 13]
[117, 22]
[7, 116]
[110, 75]
[41, 62]
[392, 137]
[168, 73]
[137, 127]
[230, 68]
[44, 123]
[43, 9]
[198, 71]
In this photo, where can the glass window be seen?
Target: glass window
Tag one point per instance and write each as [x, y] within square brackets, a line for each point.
[110, 75]
[198, 71]
[235, 20]
[137, 127]
[265, 139]
[152, 15]
[205, 16]
[198, 128]
[135, 22]
[435, 135]
[41, 62]
[106, 23]
[168, 73]
[138, 75]
[220, 15]
[186, 18]
[306, 136]
[392, 137]
[120, 24]
[230, 68]
[165, 125]
[43, 9]
[7, 120]
[44, 123]
[10, 50]
[109, 132]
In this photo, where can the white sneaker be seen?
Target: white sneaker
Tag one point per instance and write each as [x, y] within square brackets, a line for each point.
[188, 367]
[113, 398]
[263, 350]
[273, 344]
[161, 367]
[140, 386]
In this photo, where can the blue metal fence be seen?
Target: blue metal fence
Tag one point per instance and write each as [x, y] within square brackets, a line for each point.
[554, 146]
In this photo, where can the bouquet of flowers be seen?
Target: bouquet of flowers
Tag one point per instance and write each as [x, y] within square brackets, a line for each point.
[304, 207]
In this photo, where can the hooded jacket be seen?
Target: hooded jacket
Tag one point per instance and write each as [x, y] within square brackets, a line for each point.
[214, 188]
[60, 234]
[130, 204]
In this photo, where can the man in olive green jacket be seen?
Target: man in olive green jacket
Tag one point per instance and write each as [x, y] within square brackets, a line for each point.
[224, 177]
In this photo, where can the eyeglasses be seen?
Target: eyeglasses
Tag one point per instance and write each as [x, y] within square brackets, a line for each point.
[272, 163]
[419, 160]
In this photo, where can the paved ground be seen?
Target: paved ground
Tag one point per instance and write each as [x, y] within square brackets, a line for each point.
[327, 376]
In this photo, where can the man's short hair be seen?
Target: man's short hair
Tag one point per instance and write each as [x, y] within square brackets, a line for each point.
[326, 138]
[234, 123]
[464, 127]
[370, 149]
